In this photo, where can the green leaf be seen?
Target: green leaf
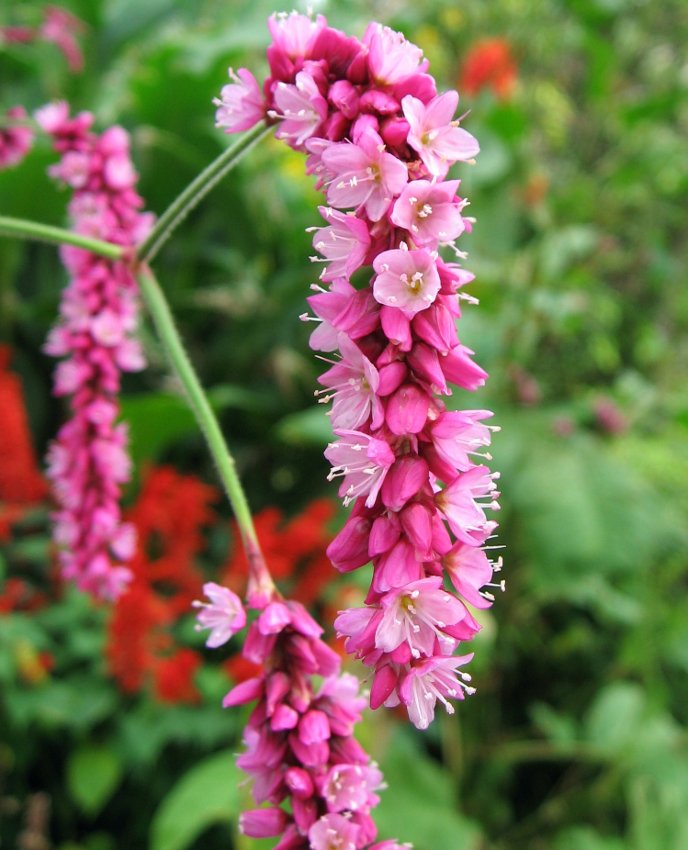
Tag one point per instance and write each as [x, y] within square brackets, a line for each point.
[93, 773]
[207, 794]
[585, 838]
[307, 427]
[156, 420]
[417, 806]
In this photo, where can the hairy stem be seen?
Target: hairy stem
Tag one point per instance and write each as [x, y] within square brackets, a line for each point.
[195, 192]
[159, 309]
[25, 229]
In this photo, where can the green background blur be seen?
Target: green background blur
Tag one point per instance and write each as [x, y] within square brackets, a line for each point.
[576, 739]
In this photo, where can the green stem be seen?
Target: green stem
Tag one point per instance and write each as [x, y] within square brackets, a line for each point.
[195, 192]
[160, 311]
[25, 229]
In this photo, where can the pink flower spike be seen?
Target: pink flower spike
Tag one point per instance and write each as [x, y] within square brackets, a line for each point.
[240, 105]
[431, 680]
[362, 461]
[438, 141]
[430, 212]
[363, 174]
[407, 280]
[301, 109]
[224, 615]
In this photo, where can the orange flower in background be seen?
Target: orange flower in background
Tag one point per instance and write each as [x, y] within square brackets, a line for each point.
[21, 483]
[489, 64]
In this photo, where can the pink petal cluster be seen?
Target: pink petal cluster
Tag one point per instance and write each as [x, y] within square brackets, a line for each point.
[299, 744]
[16, 139]
[95, 336]
[380, 140]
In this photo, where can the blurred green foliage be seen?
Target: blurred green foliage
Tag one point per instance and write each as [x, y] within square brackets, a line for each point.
[576, 739]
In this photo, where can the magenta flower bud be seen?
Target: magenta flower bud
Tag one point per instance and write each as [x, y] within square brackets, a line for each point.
[437, 327]
[407, 410]
[314, 727]
[384, 682]
[263, 823]
[247, 691]
[274, 618]
[405, 479]
[349, 549]
[284, 717]
[305, 812]
[344, 96]
[397, 327]
[416, 520]
[384, 533]
[299, 782]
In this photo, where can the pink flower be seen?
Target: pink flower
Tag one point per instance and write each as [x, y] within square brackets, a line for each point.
[240, 105]
[465, 515]
[391, 58]
[470, 569]
[432, 133]
[333, 832]
[344, 243]
[416, 614]
[406, 280]
[224, 615]
[294, 34]
[301, 110]
[431, 680]
[363, 174]
[430, 212]
[263, 823]
[353, 384]
[459, 434]
[352, 786]
[362, 461]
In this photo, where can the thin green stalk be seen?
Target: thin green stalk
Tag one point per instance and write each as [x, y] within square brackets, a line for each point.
[159, 309]
[25, 229]
[195, 192]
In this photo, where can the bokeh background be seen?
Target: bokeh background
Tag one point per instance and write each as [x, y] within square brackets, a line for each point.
[111, 733]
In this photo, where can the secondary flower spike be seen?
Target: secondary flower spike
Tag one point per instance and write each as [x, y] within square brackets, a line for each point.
[380, 140]
[88, 462]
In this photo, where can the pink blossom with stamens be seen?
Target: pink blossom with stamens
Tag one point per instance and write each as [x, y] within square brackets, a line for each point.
[224, 615]
[430, 212]
[363, 175]
[301, 108]
[343, 243]
[406, 280]
[362, 461]
[432, 134]
[431, 680]
[240, 105]
[352, 384]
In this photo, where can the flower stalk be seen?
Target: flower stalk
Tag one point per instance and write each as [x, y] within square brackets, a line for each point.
[26, 229]
[157, 305]
[195, 192]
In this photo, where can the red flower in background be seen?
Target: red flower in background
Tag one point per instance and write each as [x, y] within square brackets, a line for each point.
[169, 516]
[21, 484]
[489, 64]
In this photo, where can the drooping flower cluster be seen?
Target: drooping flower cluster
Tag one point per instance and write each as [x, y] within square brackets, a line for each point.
[380, 140]
[58, 27]
[299, 744]
[88, 462]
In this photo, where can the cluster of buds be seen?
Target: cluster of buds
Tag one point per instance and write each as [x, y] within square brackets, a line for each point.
[299, 744]
[88, 461]
[381, 140]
